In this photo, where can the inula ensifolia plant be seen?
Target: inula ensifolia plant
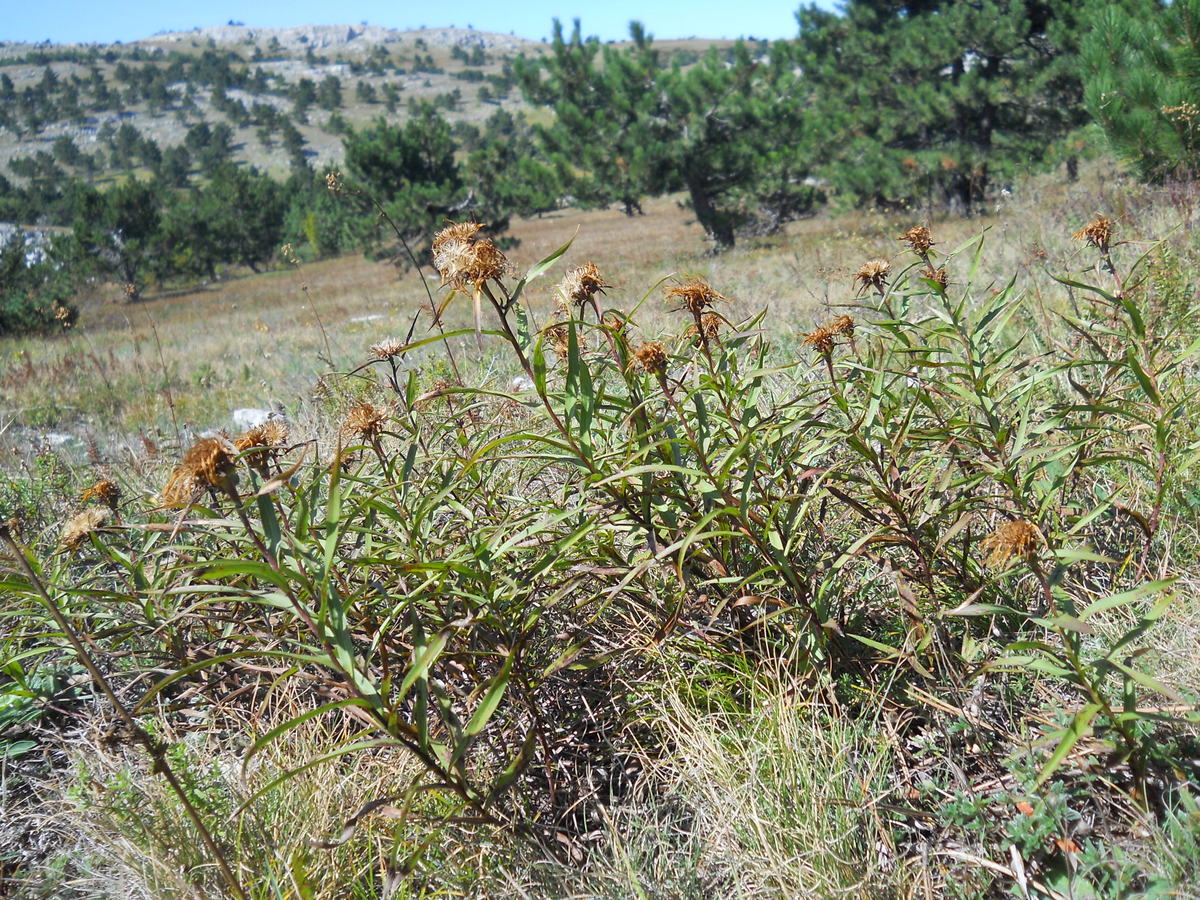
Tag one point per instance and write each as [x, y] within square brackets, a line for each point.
[867, 497]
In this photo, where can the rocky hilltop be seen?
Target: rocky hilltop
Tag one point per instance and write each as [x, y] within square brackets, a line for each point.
[337, 38]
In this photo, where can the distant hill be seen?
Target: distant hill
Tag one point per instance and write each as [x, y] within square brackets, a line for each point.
[445, 66]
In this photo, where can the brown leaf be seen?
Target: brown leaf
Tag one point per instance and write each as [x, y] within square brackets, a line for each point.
[1066, 845]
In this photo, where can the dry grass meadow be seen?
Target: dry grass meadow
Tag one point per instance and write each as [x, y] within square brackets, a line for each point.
[878, 590]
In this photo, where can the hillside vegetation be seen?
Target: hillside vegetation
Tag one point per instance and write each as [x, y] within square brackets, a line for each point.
[712, 516]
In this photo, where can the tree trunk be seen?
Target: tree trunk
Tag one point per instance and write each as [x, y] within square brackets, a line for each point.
[714, 224]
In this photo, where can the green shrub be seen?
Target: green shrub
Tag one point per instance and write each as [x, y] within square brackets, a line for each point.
[946, 496]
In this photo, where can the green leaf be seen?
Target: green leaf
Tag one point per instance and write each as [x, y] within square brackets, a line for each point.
[491, 700]
[1126, 597]
[1143, 379]
[1080, 725]
[538, 269]
[423, 658]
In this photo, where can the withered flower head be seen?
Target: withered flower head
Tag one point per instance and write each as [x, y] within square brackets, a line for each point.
[938, 276]
[209, 461]
[821, 339]
[652, 358]
[708, 328]
[558, 336]
[693, 295]
[464, 259]
[1097, 232]
[918, 239]
[365, 421]
[824, 338]
[11, 529]
[1016, 538]
[81, 526]
[616, 321]
[389, 348]
[265, 439]
[333, 181]
[873, 273]
[581, 283]
[104, 491]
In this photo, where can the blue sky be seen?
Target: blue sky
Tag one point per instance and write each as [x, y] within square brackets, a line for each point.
[128, 20]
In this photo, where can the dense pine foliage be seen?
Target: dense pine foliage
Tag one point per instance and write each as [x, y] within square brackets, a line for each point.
[930, 105]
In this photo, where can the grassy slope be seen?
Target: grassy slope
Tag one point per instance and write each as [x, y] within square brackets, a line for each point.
[762, 792]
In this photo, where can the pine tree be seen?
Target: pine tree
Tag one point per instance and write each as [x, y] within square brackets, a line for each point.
[933, 100]
[724, 130]
[1141, 69]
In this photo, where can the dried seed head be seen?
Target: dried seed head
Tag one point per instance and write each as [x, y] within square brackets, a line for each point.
[266, 439]
[389, 348]
[918, 239]
[652, 358]
[616, 321]
[365, 421]
[182, 488]
[288, 252]
[581, 283]
[558, 336]
[81, 526]
[11, 529]
[938, 276]
[708, 328]
[1016, 538]
[1098, 232]
[693, 295]
[873, 273]
[821, 339]
[464, 259]
[209, 462]
[824, 339]
[333, 181]
[104, 491]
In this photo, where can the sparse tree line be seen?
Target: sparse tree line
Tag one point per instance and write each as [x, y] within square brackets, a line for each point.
[924, 104]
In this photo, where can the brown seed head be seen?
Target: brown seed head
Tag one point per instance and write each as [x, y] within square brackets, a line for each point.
[709, 326]
[616, 321]
[464, 259]
[918, 239]
[266, 439]
[873, 273]
[581, 283]
[558, 336]
[333, 181]
[209, 461]
[1098, 232]
[821, 339]
[652, 358]
[935, 275]
[1016, 538]
[693, 295]
[81, 526]
[364, 422]
[389, 348]
[104, 491]
[843, 325]
[11, 529]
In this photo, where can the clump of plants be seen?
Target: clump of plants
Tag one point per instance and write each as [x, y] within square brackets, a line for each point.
[941, 506]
